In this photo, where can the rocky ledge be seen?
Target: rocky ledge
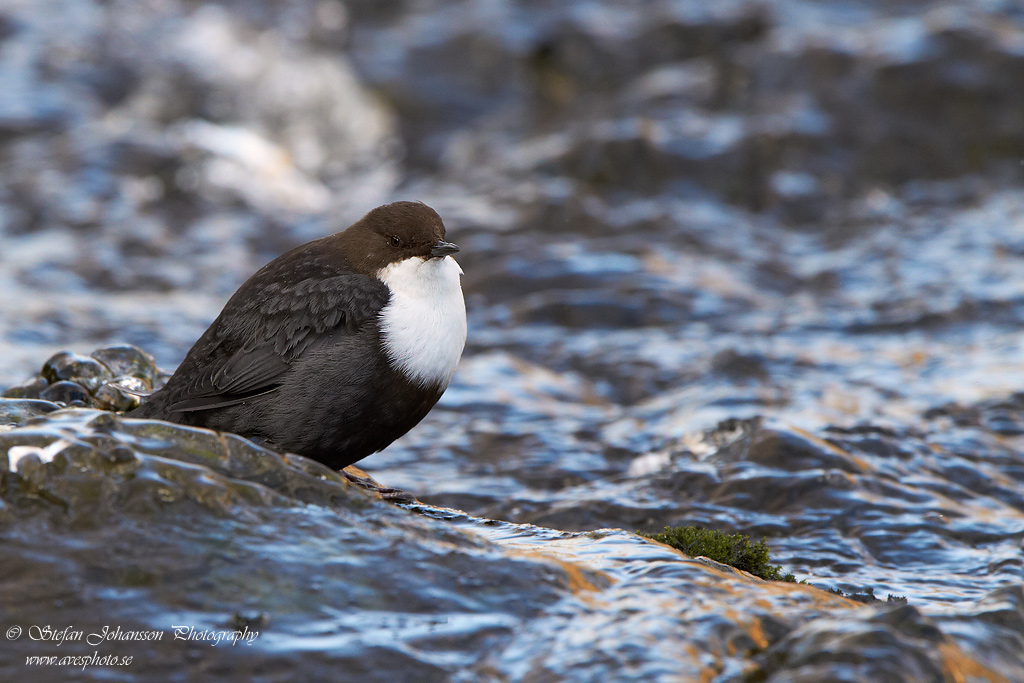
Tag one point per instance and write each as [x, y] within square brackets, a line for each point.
[151, 528]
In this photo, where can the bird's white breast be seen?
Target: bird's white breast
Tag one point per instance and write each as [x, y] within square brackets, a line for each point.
[424, 322]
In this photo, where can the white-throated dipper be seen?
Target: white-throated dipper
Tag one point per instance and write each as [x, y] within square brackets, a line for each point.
[334, 349]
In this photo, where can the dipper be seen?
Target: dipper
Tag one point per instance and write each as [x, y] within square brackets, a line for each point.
[334, 349]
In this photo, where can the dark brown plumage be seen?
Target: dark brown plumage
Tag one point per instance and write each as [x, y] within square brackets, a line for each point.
[296, 357]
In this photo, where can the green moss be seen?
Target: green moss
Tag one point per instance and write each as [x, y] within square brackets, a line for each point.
[735, 550]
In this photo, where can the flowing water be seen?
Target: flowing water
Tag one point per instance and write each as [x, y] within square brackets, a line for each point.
[753, 267]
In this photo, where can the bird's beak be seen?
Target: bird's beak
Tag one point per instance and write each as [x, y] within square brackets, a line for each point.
[443, 248]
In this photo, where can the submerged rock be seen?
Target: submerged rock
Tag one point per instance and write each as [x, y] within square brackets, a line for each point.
[14, 412]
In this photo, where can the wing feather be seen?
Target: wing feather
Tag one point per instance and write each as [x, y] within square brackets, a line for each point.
[265, 328]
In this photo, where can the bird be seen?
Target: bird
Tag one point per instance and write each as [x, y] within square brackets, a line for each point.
[334, 349]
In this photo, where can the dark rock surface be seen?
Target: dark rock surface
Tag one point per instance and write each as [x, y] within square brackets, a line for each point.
[153, 527]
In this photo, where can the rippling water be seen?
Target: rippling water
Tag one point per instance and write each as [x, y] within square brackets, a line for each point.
[758, 268]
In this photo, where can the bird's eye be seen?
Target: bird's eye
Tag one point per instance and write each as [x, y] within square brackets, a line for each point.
[395, 241]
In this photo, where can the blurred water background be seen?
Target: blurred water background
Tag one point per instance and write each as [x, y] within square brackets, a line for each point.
[745, 265]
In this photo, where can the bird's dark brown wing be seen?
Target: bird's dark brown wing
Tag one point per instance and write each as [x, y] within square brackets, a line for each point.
[265, 327]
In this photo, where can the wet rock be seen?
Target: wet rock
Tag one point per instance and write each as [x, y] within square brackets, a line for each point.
[1001, 416]
[66, 392]
[28, 389]
[125, 359]
[108, 505]
[87, 372]
[783, 449]
[15, 411]
[113, 378]
[899, 644]
[122, 394]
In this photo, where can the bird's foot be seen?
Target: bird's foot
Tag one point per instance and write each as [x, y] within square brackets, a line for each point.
[386, 493]
[396, 495]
